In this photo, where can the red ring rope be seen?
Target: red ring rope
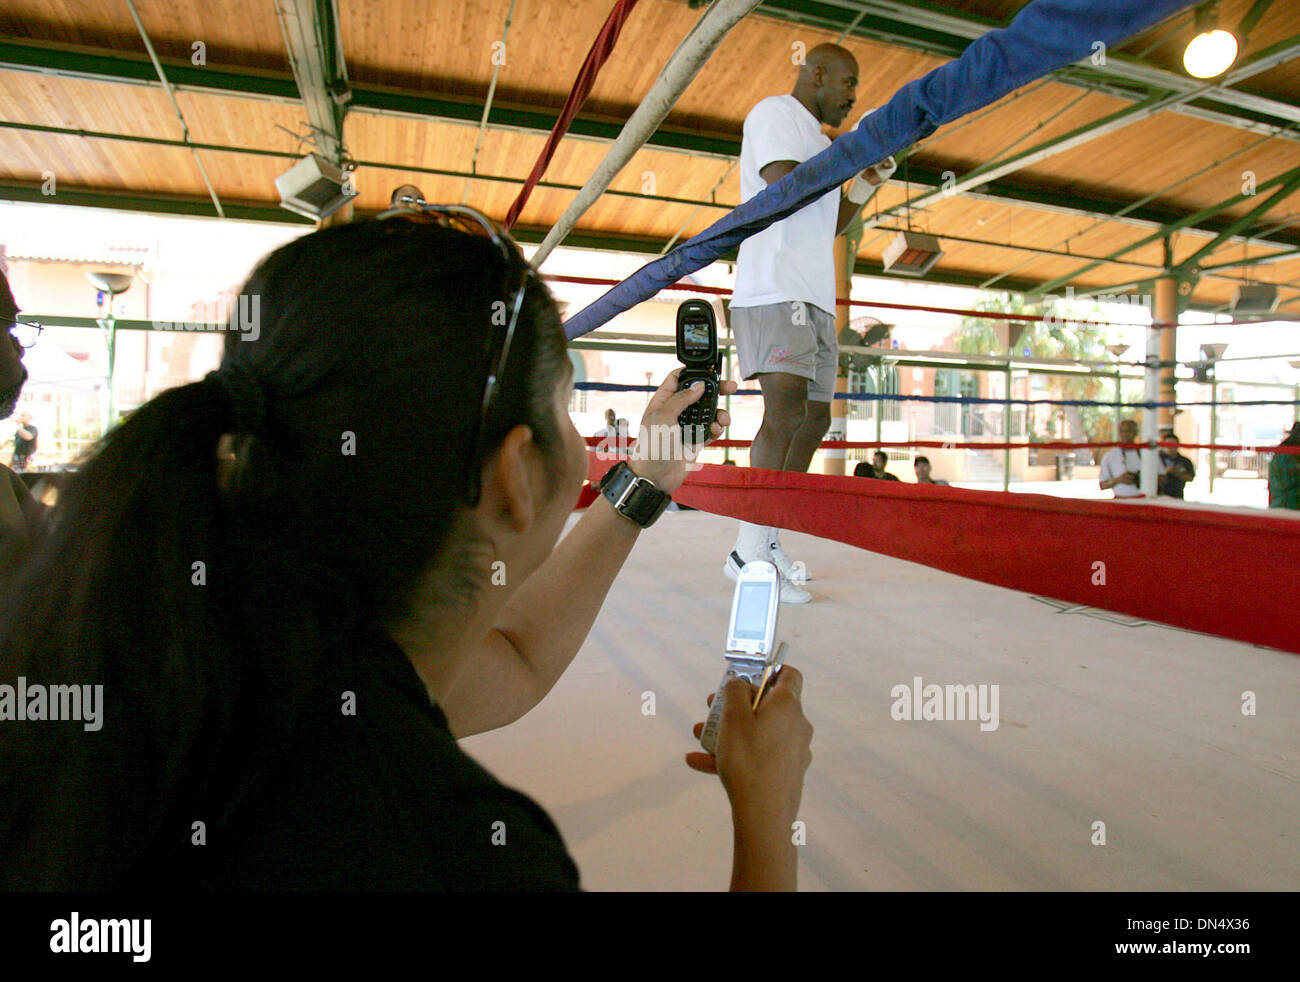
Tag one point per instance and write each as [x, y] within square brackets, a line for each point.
[1232, 575]
[996, 315]
[593, 441]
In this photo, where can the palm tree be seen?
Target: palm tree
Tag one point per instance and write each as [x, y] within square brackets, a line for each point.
[1047, 334]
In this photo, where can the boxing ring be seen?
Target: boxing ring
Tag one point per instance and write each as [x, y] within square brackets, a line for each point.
[1142, 655]
[1139, 727]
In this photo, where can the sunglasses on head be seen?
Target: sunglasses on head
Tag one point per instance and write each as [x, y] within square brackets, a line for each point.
[408, 203]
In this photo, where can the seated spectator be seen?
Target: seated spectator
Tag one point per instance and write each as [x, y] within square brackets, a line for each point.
[882, 461]
[1175, 469]
[864, 469]
[922, 467]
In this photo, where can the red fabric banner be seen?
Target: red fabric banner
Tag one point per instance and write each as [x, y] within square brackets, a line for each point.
[1228, 574]
[600, 51]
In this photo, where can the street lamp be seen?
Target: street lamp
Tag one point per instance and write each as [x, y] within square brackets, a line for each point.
[113, 284]
[1118, 351]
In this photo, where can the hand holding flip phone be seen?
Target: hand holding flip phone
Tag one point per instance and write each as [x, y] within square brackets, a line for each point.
[697, 349]
[751, 635]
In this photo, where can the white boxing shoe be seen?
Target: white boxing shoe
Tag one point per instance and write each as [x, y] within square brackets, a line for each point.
[790, 594]
[796, 573]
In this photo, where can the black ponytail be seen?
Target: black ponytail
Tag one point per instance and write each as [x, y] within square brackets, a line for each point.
[118, 595]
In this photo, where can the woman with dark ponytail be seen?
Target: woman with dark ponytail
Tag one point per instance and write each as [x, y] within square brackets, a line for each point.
[286, 583]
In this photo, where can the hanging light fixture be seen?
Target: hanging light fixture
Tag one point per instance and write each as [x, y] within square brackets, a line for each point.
[1213, 50]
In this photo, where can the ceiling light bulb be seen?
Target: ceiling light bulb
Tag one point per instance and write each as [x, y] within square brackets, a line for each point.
[1210, 54]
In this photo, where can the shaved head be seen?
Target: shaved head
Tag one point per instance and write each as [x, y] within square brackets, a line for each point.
[829, 56]
[828, 82]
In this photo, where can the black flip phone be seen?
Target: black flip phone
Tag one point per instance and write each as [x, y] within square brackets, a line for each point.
[697, 349]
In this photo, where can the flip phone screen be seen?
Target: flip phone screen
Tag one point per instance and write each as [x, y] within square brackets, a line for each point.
[695, 339]
[751, 636]
[751, 611]
[697, 349]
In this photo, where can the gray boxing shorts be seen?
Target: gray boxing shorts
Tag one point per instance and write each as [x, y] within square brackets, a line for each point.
[793, 337]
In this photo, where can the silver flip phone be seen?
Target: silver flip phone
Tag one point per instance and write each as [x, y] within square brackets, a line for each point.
[751, 636]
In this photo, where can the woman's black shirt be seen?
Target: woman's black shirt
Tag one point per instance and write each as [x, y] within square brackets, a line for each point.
[383, 798]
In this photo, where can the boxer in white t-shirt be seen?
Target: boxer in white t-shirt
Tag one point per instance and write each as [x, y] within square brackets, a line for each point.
[783, 307]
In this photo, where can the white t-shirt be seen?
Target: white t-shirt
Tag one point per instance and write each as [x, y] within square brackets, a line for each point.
[1116, 462]
[792, 259]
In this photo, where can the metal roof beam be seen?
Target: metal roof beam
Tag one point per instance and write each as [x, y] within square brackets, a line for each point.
[202, 208]
[942, 32]
[1230, 229]
[149, 203]
[87, 64]
[1284, 190]
[1069, 141]
[66, 61]
[1275, 257]
[111, 68]
[1059, 254]
[315, 49]
[1065, 201]
[1119, 67]
[84, 63]
[185, 129]
[1044, 151]
[411, 168]
[445, 172]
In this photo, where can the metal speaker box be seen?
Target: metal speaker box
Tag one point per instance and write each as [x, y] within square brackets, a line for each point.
[313, 187]
[1255, 298]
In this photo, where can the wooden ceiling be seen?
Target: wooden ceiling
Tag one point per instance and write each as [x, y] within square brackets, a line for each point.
[73, 82]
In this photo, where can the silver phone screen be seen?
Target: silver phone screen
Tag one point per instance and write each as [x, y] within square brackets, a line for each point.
[751, 611]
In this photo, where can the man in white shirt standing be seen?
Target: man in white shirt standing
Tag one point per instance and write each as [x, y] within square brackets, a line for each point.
[1122, 469]
[783, 307]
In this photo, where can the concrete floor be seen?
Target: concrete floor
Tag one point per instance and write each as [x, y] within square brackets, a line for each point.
[1137, 727]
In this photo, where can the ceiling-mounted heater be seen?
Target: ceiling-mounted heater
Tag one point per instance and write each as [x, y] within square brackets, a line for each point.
[1254, 298]
[912, 254]
[313, 187]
